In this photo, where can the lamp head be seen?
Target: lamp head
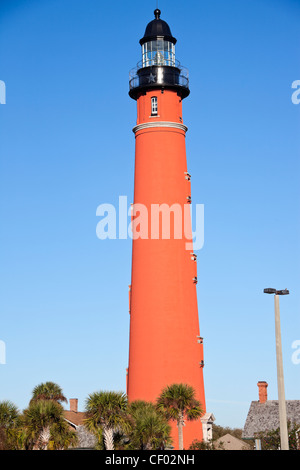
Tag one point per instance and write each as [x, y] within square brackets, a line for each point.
[282, 292]
[269, 290]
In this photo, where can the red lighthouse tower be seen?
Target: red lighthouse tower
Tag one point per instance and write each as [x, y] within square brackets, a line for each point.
[165, 346]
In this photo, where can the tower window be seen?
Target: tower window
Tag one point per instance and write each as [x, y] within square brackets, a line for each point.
[154, 106]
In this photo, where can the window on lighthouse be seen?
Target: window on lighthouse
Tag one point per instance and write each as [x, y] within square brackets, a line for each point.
[154, 106]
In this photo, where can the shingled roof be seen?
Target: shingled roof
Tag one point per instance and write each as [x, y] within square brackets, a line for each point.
[265, 416]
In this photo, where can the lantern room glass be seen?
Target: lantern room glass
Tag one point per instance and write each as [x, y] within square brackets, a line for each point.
[158, 52]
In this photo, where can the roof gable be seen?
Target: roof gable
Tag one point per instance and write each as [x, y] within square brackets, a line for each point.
[230, 442]
[76, 418]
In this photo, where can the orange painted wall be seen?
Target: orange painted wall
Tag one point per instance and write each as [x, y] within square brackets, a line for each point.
[164, 324]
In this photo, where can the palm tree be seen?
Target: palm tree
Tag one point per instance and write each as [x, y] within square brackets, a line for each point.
[48, 391]
[9, 414]
[150, 428]
[62, 436]
[107, 410]
[178, 402]
[9, 421]
[39, 418]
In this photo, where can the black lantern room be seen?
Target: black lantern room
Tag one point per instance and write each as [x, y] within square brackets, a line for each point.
[158, 67]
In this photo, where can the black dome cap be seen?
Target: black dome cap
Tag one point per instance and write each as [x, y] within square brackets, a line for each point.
[157, 28]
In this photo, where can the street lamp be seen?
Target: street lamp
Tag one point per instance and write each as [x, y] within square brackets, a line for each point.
[284, 439]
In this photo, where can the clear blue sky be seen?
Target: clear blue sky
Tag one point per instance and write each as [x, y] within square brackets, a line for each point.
[67, 146]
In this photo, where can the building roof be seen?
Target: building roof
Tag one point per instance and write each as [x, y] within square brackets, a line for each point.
[264, 417]
[229, 442]
[74, 417]
[207, 417]
[76, 420]
[157, 28]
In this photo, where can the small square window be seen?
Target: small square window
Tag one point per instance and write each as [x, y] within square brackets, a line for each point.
[154, 106]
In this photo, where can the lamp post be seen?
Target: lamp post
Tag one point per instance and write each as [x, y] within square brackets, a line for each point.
[284, 439]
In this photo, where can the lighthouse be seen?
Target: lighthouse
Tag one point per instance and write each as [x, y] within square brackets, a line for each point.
[165, 345]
